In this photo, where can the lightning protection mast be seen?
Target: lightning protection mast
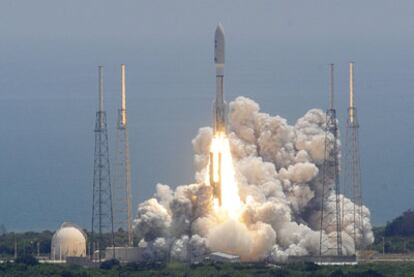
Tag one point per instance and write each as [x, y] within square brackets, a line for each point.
[122, 180]
[102, 213]
[352, 168]
[331, 227]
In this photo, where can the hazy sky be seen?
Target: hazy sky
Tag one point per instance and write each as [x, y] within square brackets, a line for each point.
[277, 54]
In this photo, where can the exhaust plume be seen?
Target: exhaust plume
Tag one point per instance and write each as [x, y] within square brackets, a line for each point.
[277, 170]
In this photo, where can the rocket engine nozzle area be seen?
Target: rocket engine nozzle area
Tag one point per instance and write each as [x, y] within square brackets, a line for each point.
[216, 175]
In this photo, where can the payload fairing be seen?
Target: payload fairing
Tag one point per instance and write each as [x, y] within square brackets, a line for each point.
[219, 114]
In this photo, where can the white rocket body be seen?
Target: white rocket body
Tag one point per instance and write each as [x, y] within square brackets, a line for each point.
[219, 105]
[219, 113]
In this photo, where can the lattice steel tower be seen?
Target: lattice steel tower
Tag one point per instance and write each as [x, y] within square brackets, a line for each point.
[352, 167]
[122, 181]
[331, 227]
[102, 214]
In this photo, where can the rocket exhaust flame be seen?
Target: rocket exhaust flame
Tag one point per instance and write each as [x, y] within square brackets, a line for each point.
[215, 175]
[222, 177]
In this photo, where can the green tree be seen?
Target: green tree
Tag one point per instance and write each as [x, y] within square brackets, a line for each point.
[401, 226]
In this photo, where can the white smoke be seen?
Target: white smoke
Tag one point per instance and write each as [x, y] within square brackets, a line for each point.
[278, 173]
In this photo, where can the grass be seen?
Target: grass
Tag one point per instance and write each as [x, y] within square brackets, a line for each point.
[213, 270]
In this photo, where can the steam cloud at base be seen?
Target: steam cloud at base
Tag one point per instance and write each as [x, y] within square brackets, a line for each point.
[277, 170]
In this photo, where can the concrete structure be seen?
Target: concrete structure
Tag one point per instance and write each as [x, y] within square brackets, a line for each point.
[80, 261]
[223, 257]
[124, 254]
[69, 240]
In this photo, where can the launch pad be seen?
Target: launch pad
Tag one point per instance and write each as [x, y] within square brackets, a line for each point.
[324, 260]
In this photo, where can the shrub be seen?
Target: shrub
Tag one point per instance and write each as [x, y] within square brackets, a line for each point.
[26, 259]
[109, 264]
[337, 273]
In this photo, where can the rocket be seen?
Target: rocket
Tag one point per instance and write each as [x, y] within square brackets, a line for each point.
[219, 113]
[219, 106]
[216, 179]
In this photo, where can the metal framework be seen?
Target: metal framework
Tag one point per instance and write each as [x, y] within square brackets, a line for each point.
[122, 181]
[331, 227]
[102, 213]
[352, 166]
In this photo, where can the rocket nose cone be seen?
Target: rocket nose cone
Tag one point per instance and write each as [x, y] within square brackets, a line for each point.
[219, 45]
[220, 29]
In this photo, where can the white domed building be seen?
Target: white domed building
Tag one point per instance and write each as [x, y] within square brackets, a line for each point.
[68, 241]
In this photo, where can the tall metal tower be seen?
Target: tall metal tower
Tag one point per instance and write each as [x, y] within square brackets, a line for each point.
[352, 167]
[102, 214]
[122, 181]
[331, 227]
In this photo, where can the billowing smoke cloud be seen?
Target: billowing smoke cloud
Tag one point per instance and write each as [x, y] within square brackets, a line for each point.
[278, 174]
